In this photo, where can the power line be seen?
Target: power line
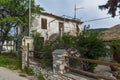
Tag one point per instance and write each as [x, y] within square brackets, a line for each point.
[99, 19]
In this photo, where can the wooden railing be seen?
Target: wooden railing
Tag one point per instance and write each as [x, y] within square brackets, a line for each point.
[38, 54]
[94, 61]
[89, 73]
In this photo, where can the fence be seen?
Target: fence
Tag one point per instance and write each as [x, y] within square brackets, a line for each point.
[60, 62]
[92, 61]
[30, 58]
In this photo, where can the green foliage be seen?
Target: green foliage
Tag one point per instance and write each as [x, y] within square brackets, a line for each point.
[40, 77]
[116, 44]
[68, 40]
[31, 72]
[10, 54]
[90, 46]
[46, 49]
[112, 6]
[15, 13]
[8, 62]
[47, 58]
[38, 42]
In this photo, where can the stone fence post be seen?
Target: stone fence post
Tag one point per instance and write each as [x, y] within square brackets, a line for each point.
[25, 41]
[59, 61]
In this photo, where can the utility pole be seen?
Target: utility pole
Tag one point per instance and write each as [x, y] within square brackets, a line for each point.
[29, 16]
[75, 9]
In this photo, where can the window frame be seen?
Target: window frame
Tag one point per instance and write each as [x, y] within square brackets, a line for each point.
[43, 23]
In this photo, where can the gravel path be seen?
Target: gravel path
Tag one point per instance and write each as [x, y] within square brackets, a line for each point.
[6, 74]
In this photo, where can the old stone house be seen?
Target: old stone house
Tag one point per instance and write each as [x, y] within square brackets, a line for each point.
[50, 25]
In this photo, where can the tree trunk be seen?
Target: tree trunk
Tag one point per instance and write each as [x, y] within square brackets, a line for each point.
[1, 47]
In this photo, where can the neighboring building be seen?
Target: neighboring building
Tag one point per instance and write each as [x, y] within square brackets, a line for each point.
[49, 25]
[8, 45]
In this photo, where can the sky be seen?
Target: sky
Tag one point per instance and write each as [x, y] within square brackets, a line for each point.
[88, 12]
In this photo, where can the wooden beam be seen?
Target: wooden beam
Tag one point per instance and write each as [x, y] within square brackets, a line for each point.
[27, 70]
[88, 73]
[36, 52]
[94, 61]
[20, 59]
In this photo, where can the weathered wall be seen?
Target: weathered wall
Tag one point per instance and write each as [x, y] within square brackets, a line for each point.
[53, 27]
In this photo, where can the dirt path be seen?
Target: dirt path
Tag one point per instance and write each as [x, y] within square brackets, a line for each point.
[6, 74]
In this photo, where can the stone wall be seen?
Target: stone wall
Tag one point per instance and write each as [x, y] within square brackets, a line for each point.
[59, 61]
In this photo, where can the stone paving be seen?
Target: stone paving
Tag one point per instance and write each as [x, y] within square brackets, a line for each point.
[49, 75]
[6, 74]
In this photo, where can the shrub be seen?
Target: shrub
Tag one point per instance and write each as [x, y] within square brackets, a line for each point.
[10, 54]
[38, 42]
[88, 44]
[31, 72]
[40, 77]
[116, 44]
[46, 48]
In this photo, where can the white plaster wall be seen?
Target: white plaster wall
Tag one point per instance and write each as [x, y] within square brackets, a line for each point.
[27, 40]
[52, 27]
[8, 46]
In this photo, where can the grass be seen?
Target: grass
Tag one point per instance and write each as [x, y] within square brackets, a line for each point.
[31, 72]
[9, 63]
[10, 54]
[10, 60]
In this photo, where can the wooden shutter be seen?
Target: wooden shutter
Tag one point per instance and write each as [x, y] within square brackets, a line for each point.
[43, 23]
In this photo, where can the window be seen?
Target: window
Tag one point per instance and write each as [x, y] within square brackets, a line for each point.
[61, 28]
[43, 23]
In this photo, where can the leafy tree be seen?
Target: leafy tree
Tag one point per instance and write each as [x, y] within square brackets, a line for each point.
[15, 13]
[90, 45]
[112, 6]
[87, 44]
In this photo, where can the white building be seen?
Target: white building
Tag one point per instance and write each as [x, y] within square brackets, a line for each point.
[49, 25]
[8, 45]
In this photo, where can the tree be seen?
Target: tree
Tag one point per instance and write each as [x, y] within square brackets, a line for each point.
[112, 6]
[15, 13]
[88, 45]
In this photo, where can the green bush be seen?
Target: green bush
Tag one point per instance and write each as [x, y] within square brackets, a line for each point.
[10, 54]
[31, 72]
[40, 77]
[38, 42]
[88, 44]
[116, 44]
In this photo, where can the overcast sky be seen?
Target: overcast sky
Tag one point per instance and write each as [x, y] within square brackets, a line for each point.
[90, 11]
